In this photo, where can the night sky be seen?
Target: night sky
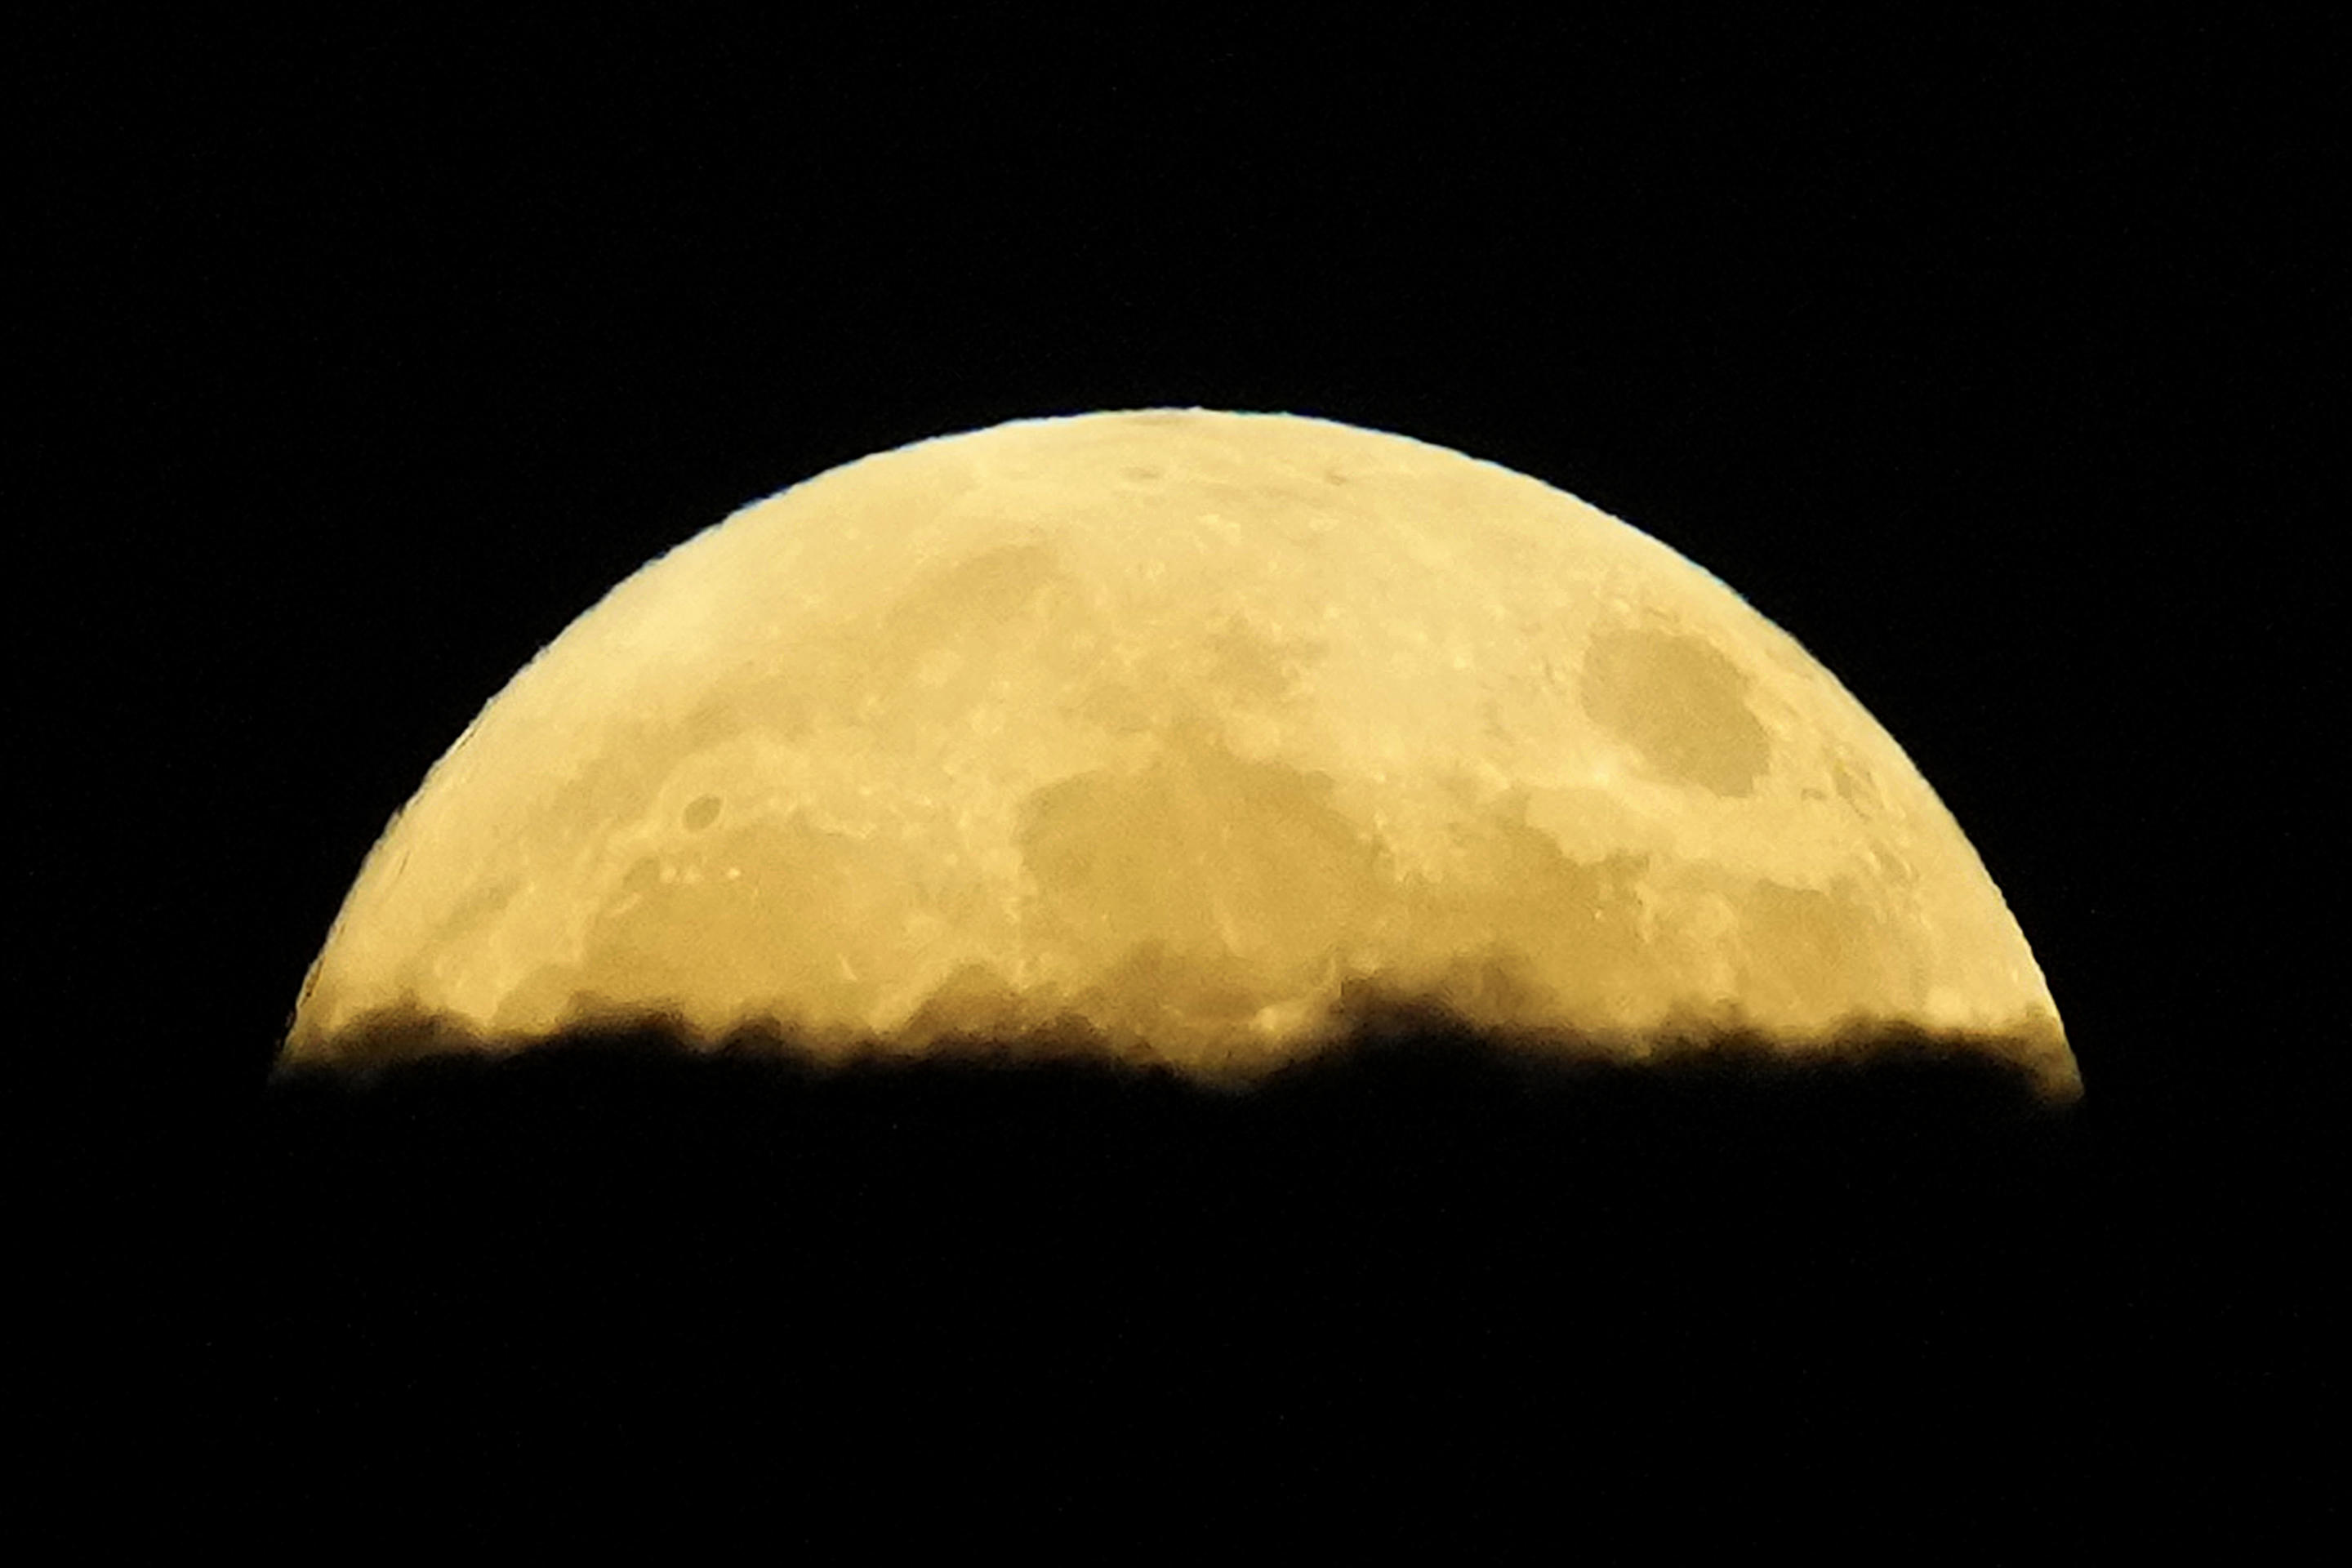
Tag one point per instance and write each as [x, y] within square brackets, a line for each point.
[1987, 363]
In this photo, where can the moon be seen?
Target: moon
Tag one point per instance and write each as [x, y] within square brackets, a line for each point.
[1188, 729]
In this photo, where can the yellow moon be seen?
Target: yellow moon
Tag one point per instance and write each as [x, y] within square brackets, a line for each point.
[1186, 728]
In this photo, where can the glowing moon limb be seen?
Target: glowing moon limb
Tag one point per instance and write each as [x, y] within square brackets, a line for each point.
[1181, 724]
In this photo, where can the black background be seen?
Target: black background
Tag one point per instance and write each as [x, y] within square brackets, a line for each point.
[1988, 359]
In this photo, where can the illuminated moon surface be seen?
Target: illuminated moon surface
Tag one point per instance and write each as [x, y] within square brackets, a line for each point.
[1184, 729]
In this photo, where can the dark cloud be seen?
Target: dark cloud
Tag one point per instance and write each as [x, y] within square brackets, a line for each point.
[1427, 1237]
